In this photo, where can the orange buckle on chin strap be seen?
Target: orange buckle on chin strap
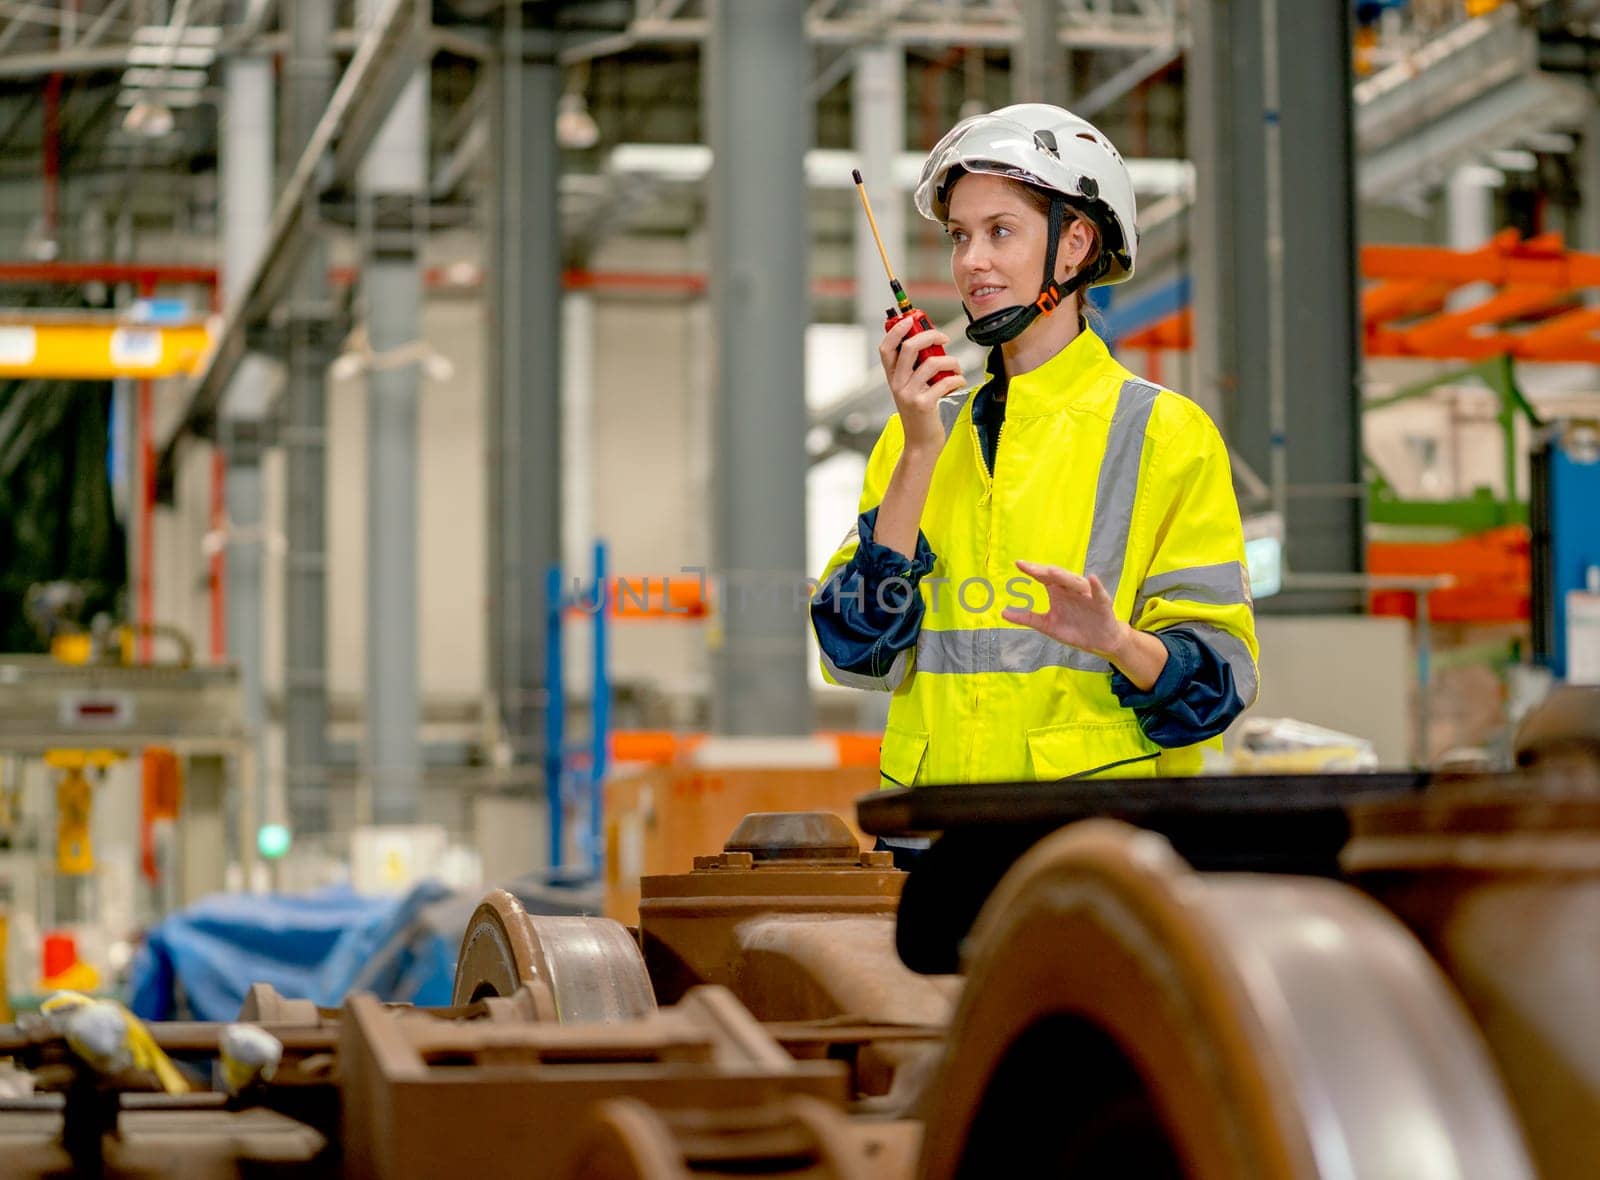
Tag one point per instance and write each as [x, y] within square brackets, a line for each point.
[1049, 299]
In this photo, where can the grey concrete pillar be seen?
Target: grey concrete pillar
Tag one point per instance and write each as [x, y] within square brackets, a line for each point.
[524, 418]
[393, 185]
[878, 120]
[1039, 72]
[1469, 210]
[308, 77]
[202, 836]
[758, 115]
[1270, 135]
[125, 405]
[247, 145]
[1589, 188]
[255, 793]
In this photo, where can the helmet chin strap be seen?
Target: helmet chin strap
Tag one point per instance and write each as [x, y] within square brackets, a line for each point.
[1005, 325]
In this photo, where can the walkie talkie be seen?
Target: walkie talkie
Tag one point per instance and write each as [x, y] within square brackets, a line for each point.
[902, 308]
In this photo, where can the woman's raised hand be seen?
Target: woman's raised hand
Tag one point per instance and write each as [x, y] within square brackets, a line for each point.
[1081, 613]
[918, 388]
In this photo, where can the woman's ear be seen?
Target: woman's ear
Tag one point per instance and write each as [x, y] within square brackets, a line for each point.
[1077, 247]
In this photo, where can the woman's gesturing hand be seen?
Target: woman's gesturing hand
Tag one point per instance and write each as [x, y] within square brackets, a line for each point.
[1081, 613]
[918, 388]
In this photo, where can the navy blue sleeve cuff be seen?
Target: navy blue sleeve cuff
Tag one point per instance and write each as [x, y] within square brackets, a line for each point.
[1192, 700]
[1182, 660]
[878, 563]
[870, 611]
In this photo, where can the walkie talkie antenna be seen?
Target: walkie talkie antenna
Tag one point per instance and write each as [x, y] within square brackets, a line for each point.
[902, 300]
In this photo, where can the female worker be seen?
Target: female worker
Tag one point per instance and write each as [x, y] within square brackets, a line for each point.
[1048, 571]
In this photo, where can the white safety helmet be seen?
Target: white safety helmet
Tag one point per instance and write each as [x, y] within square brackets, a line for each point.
[1052, 149]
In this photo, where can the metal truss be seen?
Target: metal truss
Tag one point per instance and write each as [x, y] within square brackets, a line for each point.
[43, 37]
[1137, 26]
[1456, 100]
[39, 38]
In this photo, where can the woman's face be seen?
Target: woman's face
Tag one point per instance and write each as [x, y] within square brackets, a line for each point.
[998, 237]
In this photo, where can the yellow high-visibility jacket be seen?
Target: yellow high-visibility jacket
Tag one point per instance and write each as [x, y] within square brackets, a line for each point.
[1098, 472]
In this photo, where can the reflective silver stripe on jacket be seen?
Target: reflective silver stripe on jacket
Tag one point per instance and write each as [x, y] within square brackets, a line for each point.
[950, 410]
[1118, 484]
[888, 682]
[998, 649]
[1012, 649]
[1233, 651]
[1222, 584]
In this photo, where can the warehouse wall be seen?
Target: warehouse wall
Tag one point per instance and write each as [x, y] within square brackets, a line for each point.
[652, 453]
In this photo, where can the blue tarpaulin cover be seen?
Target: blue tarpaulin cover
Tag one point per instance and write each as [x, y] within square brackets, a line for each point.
[198, 963]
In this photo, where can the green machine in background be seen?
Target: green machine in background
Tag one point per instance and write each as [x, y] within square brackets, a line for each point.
[1482, 510]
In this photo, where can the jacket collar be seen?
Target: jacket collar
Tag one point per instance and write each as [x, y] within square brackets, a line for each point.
[1062, 380]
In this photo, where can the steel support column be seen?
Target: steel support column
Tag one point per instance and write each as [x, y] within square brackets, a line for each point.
[1040, 65]
[1589, 185]
[524, 418]
[1469, 210]
[308, 81]
[247, 157]
[1276, 337]
[878, 119]
[392, 187]
[877, 96]
[756, 73]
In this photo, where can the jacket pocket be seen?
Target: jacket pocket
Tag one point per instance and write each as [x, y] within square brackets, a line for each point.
[1092, 749]
[900, 757]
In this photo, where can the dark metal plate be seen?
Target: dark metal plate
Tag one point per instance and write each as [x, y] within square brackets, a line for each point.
[1239, 823]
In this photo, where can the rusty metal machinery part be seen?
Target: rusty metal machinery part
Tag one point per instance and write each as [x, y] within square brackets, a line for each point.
[264, 1004]
[799, 1138]
[799, 923]
[1563, 730]
[803, 866]
[497, 954]
[579, 970]
[1241, 823]
[815, 836]
[836, 968]
[1503, 887]
[81, 1120]
[192, 1139]
[425, 1095]
[1124, 1015]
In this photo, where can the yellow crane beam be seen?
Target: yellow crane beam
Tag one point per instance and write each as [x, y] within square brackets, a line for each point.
[99, 350]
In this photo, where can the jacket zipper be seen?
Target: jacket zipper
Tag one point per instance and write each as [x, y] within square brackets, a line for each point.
[983, 466]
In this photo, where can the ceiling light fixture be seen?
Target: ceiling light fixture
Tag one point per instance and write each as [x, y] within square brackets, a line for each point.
[576, 129]
[148, 119]
[166, 69]
[575, 126]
